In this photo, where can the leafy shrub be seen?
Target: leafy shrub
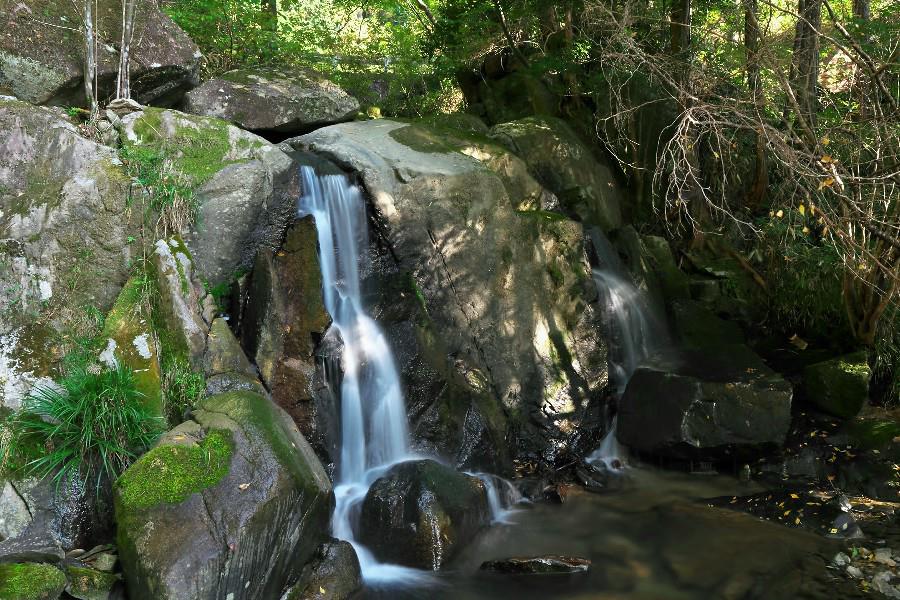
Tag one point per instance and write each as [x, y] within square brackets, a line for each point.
[91, 426]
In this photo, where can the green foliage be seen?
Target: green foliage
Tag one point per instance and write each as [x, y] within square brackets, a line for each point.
[170, 193]
[171, 473]
[91, 426]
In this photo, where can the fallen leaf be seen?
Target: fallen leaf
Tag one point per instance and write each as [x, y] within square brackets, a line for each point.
[795, 496]
[243, 487]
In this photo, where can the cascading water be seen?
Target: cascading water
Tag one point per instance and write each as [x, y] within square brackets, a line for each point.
[374, 432]
[501, 495]
[636, 333]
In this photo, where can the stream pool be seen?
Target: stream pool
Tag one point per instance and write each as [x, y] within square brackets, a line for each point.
[655, 539]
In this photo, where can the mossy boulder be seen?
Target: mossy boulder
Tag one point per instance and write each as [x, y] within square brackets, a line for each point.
[273, 99]
[421, 513]
[565, 166]
[244, 187]
[89, 584]
[64, 226]
[42, 61]
[132, 342]
[230, 504]
[31, 581]
[839, 386]
[332, 574]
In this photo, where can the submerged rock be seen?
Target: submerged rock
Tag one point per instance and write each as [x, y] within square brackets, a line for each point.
[538, 565]
[42, 62]
[233, 504]
[273, 99]
[421, 513]
[839, 386]
[705, 404]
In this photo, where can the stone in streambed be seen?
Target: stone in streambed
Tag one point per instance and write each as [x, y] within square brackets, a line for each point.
[421, 513]
[538, 565]
[332, 574]
[839, 386]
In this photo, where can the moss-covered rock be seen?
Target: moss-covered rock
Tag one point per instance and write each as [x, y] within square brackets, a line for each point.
[42, 62]
[421, 513]
[179, 299]
[64, 226]
[89, 584]
[839, 386]
[273, 99]
[30, 581]
[232, 503]
[131, 341]
[244, 187]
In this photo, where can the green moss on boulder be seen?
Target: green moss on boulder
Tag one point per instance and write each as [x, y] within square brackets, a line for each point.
[89, 584]
[839, 386]
[171, 473]
[31, 581]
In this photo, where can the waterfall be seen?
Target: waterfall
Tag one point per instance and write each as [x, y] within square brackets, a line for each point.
[374, 432]
[501, 495]
[635, 334]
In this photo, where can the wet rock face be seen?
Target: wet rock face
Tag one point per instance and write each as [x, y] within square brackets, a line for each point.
[64, 226]
[42, 63]
[233, 504]
[332, 574]
[839, 386]
[284, 319]
[421, 513]
[502, 286]
[538, 565]
[273, 100]
[705, 404]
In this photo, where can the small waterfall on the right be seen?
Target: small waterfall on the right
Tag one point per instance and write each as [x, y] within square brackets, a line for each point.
[635, 330]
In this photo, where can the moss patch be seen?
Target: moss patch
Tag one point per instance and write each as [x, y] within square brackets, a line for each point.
[171, 473]
[30, 581]
[88, 583]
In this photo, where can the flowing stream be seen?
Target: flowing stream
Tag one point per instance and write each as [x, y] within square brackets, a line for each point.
[374, 432]
[636, 334]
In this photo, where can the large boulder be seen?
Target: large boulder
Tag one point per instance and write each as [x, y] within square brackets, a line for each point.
[64, 226]
[421, 513]
[273, 99]
[243, 187]
[705, 405]
[332, 574]
[42, 53]
[461, 230]
[285, 317]
[230, 504]
[839, 386]
[565, 166]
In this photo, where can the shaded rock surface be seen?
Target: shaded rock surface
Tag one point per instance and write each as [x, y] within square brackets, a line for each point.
[565, 166]
[42, 62]
[538, 565]
[290, 101]
[241, 507]
[421, 513]
[244, 186]
[505, 286]
[332, 574]
[64, 225]
[705, 404]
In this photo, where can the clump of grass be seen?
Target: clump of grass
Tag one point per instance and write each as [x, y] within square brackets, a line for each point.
[182, 386]
[91, 426]
[170, 193]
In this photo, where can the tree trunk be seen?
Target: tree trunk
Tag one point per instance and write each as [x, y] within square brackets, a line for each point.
[680, 25]
[757, 192]
[90, 59]
[861, 12]
[270, 24]
[123, 81]
[806, 58]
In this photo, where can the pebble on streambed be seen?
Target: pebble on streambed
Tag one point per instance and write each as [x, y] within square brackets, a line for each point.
[874, 570]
